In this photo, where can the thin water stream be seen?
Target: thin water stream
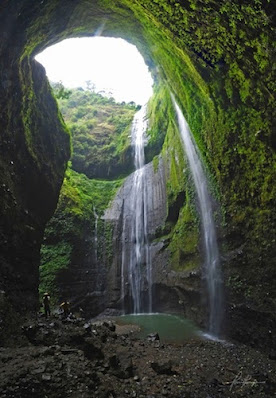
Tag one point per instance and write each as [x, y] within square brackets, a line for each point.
[212, 271]
[96, 217]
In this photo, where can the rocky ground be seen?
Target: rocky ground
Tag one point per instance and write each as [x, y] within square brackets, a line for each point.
[74, 358]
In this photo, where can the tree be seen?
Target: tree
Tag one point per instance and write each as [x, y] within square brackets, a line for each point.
[90, 86]
[60, 91]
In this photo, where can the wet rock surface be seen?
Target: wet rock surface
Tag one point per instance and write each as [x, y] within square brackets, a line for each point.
[73, 358]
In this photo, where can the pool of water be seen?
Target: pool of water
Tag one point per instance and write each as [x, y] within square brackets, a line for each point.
[171, 328]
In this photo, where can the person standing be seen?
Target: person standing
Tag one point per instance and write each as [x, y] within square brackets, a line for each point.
[46, 304]
[65, 307]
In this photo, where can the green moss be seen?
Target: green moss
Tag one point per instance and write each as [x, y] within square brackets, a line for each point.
[158, 114]
[37, 104]
[184, 244]
[28, 105]
[79, 194]
[106, 252]
[173, 155]
[230, 116]
[75, 216]
[250, 158]
[181, 230]
[155, 162]
[54, 258]
[217, 58]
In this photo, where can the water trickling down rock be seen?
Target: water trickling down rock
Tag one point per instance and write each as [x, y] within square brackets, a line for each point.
[212, 272]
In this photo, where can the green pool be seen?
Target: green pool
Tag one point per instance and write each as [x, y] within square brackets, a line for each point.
[171, 328]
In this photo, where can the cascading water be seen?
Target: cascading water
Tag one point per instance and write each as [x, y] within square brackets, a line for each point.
[95, 233]
[212, 271]
[137, 258]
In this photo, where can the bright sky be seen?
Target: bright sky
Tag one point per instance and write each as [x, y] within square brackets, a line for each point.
[111, 64]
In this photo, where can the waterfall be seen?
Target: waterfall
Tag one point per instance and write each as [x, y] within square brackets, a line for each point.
[212, 272]
[95, 233]
[136, 258]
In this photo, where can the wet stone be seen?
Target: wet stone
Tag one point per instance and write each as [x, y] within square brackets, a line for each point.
[153, 337]
[164, 367]
[46, 377]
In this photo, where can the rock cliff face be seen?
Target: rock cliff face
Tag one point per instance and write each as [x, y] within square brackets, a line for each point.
[172, 291]
[34, 150]
[120, 215]
[221, 73]
[84, 282]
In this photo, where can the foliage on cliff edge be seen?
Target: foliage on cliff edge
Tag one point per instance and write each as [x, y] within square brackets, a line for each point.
[100, 130]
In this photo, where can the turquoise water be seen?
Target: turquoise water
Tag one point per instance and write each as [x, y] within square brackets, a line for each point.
[171, 328]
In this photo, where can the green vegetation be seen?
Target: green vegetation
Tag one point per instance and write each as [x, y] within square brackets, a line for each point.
[184, 244]
[159, 112]
[100, 130]
[73, 220]
[182, 225]
[54, 258]
[101, 148]
[80, 194]
[174, 157]
[217, 59]
[60, 91]
[36, 106]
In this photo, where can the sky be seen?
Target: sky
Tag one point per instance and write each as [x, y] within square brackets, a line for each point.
[113, 65]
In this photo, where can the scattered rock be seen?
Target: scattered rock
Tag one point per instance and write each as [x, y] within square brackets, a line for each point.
[72, 361]
[153, 337]
[30, 331]
[122, 365]
[164, 367]
[110, 325]
[40, 369]
[46, 377]
[272, 355]
[92, 351]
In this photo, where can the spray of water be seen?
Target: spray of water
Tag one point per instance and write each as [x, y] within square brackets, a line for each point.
[212, 272]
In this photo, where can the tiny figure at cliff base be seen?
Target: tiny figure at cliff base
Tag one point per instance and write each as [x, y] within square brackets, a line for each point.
[46, 304]
[65, 307]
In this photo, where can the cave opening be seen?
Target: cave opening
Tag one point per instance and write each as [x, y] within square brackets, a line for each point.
[107, 65]
[99, 84]
[170, 75]
[225, 93]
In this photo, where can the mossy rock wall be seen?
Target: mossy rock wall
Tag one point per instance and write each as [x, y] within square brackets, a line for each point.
[77, 249]
[217, 59]
[35, 147]
[181, 229]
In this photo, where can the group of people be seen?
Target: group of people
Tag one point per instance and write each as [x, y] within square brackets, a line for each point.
[64, 306]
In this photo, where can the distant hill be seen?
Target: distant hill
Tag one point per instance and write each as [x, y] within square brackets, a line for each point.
[100, 130]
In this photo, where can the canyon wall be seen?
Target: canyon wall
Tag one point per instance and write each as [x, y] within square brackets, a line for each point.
[217, 59]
